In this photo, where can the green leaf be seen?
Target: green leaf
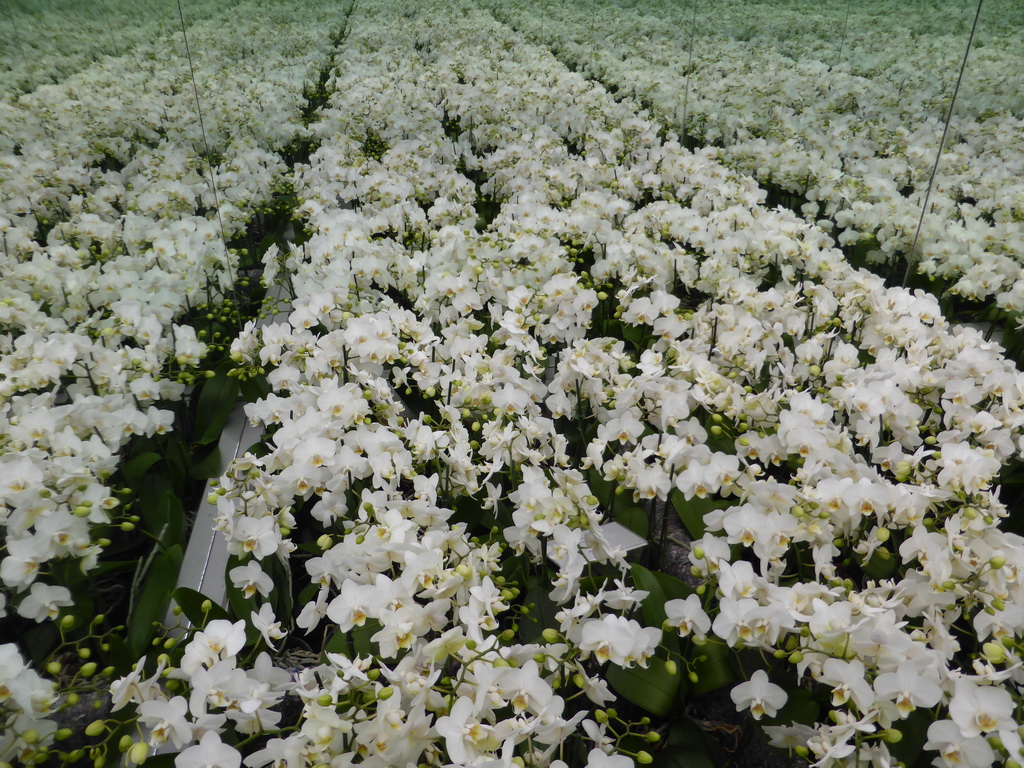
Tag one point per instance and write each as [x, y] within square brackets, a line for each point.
[879, 568]
[801, 707]
[161, 761]
[282, 594]
[120, 656]
[165, 518]
[543, 611]
[40, 640]
[191, 605]
[635, 335]
[255, 388]
[686, 747]
[216, 401]
[915, 732]
[361, 641]
[654, 604]
[177, 461]
[469, 511]
[692, 512]
[603, 489]
[135, 468]
[240, 605]
[151, 603]
[652, 689]
[674, 588]
[715, 671]
[338, 643]
[633, 517]
[206, 464]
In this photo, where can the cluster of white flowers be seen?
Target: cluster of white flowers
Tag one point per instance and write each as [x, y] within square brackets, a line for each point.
[485, 225]
[110, 232]
[26, 699]
[49, 40]
[858, 137]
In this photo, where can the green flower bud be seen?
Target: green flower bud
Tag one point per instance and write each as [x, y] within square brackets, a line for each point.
[139, 752]
[994, 652]
[95, 728]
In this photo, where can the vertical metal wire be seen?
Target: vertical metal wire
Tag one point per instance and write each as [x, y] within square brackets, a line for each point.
[17, 34]
[842, 40]
[689, 72]
[942, 144]
[206, 143]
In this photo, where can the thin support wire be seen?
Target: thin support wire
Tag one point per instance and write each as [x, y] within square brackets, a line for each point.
[942, 144]
[17, 35]
[206, 143]
[689, 71]
[842, 40]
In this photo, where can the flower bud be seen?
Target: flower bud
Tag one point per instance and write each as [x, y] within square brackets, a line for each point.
[125, 743]
[551, 635]
[325, 700]
[88, 670]
[95, 728]
[671, 668]
[997, 561]
[385, 693]
[891, 736]
[994, 652]
[139, 752]
[644, 758]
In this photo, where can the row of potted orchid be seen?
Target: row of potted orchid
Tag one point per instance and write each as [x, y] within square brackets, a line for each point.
[126, 217]
[46, 41]
[846, 128]
[522, 309]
